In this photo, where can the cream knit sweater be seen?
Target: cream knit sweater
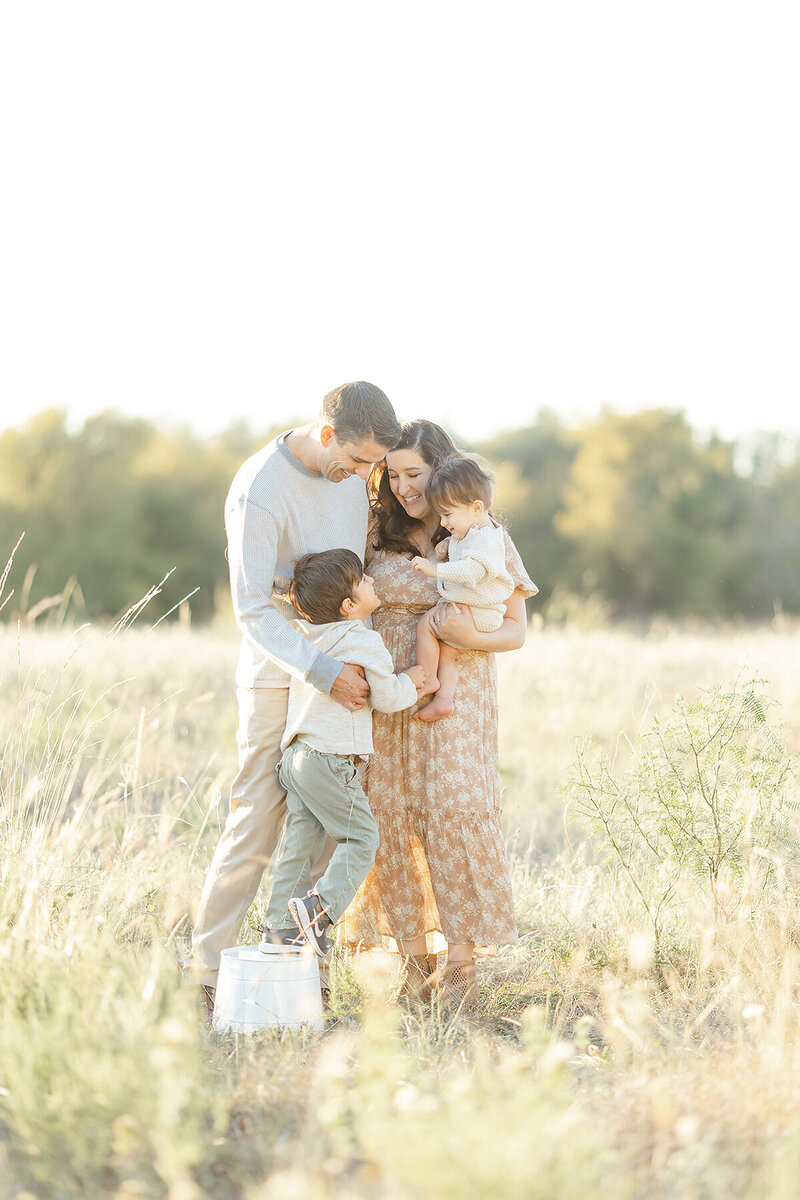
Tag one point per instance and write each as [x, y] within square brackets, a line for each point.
[476, 575]
[321, 722]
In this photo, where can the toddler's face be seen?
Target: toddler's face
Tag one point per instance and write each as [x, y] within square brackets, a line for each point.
[458, 519]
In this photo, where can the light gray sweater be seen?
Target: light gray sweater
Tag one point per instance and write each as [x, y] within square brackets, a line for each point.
[321, 722]
[276, 510]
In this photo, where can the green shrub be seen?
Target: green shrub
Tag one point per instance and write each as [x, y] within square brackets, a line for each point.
[706, 802]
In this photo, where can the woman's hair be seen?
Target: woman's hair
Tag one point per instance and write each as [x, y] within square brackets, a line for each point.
[393, 524]
[358, 411]
[322, 582]
[459, 481]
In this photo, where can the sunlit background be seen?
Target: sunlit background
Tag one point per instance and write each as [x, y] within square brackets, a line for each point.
[213, 214]
[569, 232]
[221, 211]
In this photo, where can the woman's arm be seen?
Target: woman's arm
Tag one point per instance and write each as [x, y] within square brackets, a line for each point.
[458, 628]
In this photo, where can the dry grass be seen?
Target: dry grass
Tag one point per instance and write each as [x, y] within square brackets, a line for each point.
[590, 1069]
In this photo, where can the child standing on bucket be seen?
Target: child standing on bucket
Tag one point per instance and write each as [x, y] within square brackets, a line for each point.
[323, 746]
[475, 573]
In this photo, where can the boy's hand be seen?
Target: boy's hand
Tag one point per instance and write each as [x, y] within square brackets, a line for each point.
[421, 564]
[416, 674]
[442, 550]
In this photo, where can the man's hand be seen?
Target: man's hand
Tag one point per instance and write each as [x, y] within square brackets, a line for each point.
[416, 674]
[350, 687]
[421, 564]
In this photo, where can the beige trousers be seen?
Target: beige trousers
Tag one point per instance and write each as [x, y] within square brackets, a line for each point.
[252, 830]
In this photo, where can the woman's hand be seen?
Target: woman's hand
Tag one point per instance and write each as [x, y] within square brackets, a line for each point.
[454, 625]
[442, 550]
[421, 564]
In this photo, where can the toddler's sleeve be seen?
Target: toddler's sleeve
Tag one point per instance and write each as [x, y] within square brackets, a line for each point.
[516, 569]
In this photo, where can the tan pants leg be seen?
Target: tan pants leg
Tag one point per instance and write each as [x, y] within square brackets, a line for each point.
[252, 830]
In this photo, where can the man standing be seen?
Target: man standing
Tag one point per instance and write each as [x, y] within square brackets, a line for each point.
[282, 503]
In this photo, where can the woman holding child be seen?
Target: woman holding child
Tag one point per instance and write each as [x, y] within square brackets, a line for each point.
[434, 779]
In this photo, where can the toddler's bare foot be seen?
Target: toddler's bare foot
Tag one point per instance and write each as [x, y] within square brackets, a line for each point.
[429, 688]
[434, 710]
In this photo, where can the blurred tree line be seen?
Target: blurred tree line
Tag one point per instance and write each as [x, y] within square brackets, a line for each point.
[636, 514]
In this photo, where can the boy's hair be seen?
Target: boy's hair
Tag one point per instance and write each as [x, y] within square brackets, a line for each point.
[459, 481]
[322, 582]
[358, 411]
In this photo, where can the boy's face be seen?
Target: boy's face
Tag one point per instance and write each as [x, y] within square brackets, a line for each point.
[458, 519]
[363, 601]
[339, 460]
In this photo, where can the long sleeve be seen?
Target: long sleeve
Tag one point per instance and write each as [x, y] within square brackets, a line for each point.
[253, 535]
[465, 570]
[388, 692]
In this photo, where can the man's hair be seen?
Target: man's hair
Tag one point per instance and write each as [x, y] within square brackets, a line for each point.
[358, 411]
[322, 582]
[459, 481]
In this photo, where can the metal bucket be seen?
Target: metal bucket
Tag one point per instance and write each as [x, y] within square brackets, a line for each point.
[270, 986]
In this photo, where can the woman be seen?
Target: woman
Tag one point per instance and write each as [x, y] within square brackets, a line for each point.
[434, 786]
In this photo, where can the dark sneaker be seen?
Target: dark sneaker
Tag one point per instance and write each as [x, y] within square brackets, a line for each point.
[312, 921]
[282, 937]
[207, 996]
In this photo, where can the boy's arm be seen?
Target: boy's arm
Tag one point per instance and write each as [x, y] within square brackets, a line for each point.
[253, 535]
[388, 692]
[465, 570]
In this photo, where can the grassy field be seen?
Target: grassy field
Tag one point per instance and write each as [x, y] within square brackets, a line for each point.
[641, 1040]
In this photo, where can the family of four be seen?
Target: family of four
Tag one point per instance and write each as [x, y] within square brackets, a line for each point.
[392, 811]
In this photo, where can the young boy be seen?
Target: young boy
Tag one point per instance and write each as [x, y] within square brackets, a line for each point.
[475, 575]
[322, 745]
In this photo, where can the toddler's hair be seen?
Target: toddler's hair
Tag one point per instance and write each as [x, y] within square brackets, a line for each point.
[459, 481]
[322, 582]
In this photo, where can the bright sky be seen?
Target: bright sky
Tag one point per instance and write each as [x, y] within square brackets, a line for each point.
[220, 211]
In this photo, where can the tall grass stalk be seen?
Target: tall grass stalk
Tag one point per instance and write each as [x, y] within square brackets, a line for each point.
[594, 1064]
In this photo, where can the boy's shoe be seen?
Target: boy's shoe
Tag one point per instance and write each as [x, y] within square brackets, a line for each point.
[207, 996]
[312, 921]
[281, 937]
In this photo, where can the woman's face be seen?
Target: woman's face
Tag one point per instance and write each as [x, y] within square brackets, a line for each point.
[408, 478]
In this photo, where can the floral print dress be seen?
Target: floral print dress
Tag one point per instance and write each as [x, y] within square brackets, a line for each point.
[434, 790]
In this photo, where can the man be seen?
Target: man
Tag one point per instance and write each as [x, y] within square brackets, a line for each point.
[303, 492]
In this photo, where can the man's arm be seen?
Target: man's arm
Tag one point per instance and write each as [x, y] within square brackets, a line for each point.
[253, 535]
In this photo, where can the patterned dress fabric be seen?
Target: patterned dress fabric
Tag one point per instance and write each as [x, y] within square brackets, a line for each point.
[434, 790]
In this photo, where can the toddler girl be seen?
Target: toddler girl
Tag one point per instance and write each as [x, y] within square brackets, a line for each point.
[475, 575]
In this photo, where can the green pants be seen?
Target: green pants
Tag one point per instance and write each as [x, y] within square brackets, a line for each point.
[323, 796]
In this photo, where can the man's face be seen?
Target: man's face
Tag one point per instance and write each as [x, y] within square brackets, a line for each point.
[342, 459]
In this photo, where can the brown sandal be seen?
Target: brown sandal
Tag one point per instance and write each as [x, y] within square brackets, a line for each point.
[459, 985]
[419, 977]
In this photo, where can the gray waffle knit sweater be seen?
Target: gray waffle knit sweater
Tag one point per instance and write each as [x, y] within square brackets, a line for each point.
[276, 510]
